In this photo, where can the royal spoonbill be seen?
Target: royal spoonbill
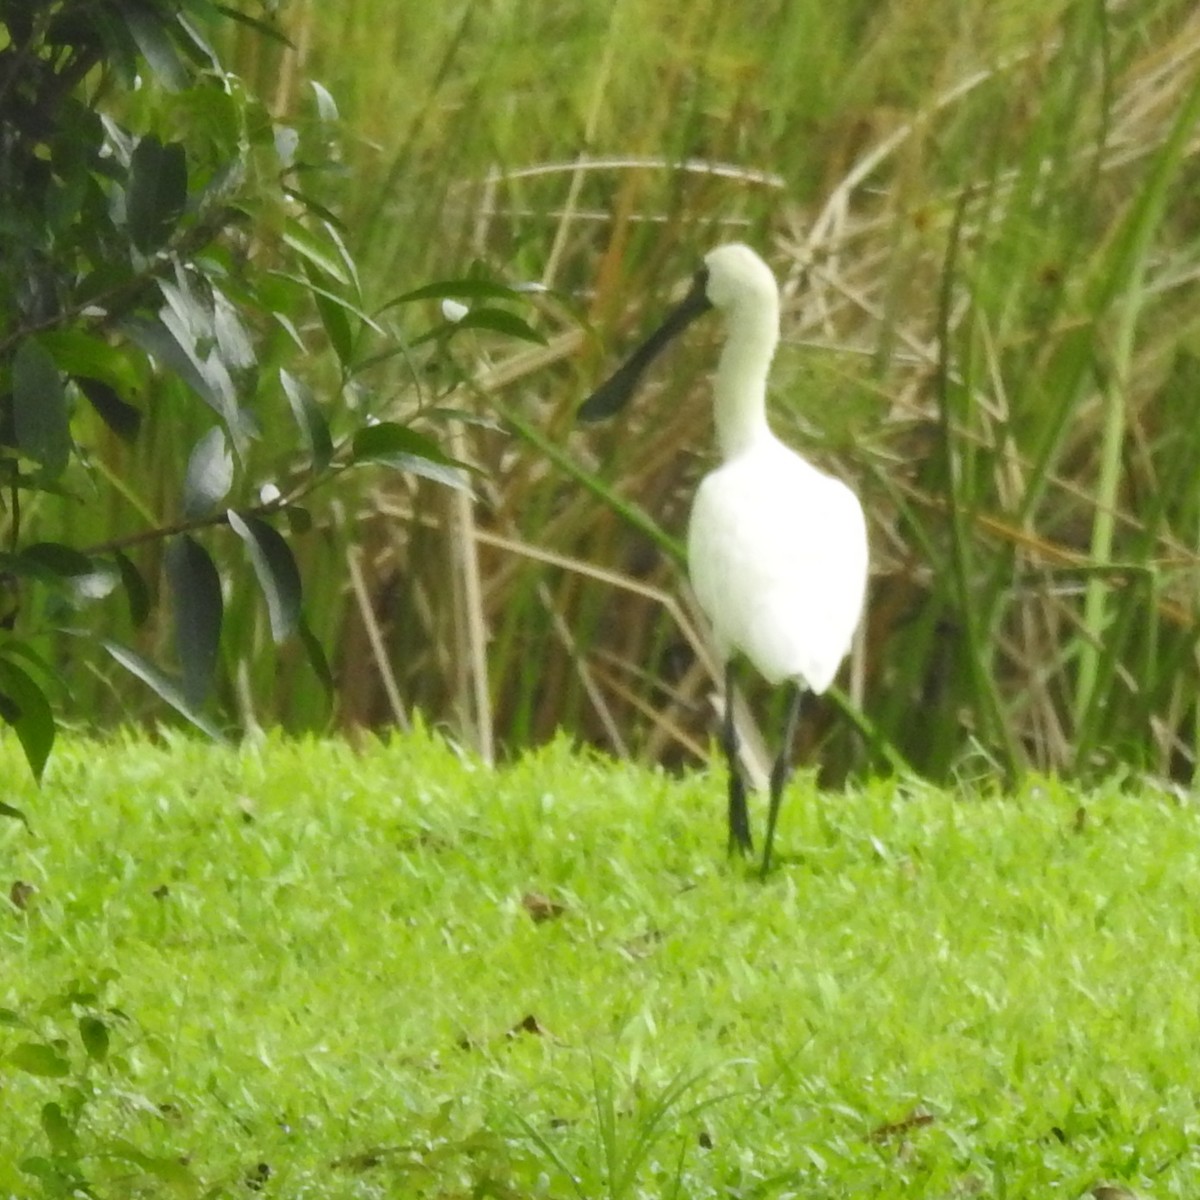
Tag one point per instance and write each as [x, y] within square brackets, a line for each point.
[777, 550]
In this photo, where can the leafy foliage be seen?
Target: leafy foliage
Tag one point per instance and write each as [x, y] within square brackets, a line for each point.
[65, 1042]
[163, 285]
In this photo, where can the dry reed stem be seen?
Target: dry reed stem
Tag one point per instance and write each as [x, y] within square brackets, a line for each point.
[659, 719]
[470, 620]
[585, 672]
[366, 612]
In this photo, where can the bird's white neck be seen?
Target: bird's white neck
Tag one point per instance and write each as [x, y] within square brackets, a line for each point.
[740, 384]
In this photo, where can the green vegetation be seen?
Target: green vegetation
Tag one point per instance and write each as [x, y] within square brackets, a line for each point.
[983, 217]
[149, 405]
[321, 972]
[363, 969]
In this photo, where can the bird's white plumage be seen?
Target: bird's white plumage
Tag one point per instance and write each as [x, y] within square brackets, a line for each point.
[777, 550]
[777, 554]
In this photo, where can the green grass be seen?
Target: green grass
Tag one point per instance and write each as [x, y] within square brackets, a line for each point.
[325, 965]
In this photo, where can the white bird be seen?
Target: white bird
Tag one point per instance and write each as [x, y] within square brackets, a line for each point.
[777, 550]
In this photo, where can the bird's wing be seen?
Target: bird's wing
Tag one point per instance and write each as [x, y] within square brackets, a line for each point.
[777, 554]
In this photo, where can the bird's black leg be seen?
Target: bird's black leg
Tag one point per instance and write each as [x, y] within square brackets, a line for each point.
[739, 814]
[780, 772]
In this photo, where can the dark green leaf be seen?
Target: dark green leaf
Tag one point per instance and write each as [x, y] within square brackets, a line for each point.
[309, 417]
[299, 519]
[58, 1130]
[500, 320]
[195, 45]
[317, 658]
[385, 438]
[162, 684]
[403, 448]
[267, 30]
[313, 207]
[157, 193]
[56, 559]
[40, 408]
[20, 24]
[148, 29]
[276, 569]
[459, 289]
[333, 317]
[15, 814]
[123, 419]
[209, 474]
[337, 326]
[28, 711]
[315, 252]
[136, 591]
[108, 278]
[94, 1034]
[196, 598]
[24, 568]
[10, 1017]
[22, 650]
[86, 356]
[37, 1058]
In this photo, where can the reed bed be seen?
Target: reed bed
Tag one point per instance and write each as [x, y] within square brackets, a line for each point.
[984, 223]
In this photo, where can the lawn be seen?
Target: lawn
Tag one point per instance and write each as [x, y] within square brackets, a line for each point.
[294, 969]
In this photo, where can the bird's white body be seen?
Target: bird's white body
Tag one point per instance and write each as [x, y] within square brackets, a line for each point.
[777, 550]
[777, 553]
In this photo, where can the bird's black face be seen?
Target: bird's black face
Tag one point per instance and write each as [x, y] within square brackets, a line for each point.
[612, 395]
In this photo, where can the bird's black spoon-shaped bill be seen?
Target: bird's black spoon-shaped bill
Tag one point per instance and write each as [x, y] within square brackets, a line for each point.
[612, 395]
